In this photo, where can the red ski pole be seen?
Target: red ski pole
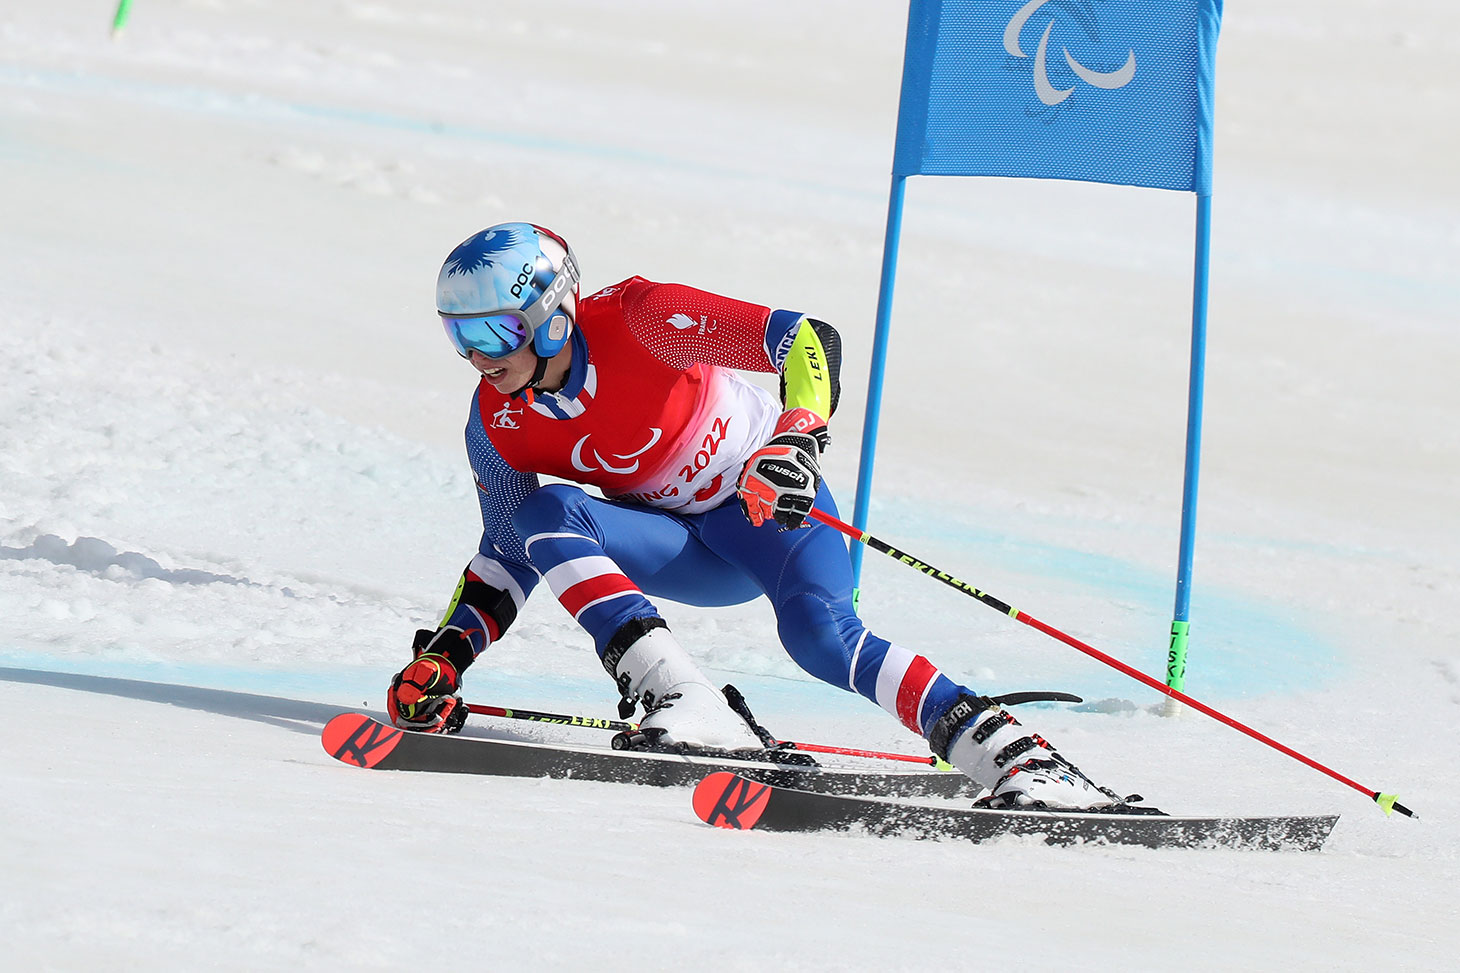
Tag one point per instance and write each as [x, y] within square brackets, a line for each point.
[1387, 802]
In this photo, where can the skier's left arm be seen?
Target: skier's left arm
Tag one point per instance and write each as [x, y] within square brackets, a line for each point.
[808, 353]
[780, 480]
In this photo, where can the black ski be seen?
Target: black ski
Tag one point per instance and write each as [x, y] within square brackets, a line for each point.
[729, 800]
[360, 741]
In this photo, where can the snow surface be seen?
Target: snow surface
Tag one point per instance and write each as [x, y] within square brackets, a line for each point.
[232, 485]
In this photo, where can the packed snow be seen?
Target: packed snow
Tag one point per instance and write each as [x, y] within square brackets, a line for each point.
[232, 484]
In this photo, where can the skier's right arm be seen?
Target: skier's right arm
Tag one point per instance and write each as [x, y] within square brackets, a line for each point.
[492, 589]
[499, 578]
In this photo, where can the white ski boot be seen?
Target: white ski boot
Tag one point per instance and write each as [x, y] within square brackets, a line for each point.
[1021, 769]
[681, 705]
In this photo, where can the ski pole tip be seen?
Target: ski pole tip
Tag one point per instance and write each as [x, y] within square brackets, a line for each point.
[1390, 803]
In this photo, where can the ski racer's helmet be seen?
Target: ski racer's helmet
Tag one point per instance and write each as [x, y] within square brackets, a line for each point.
[507, 285]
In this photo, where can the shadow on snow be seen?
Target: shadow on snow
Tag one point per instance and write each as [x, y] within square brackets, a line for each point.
[291, 714]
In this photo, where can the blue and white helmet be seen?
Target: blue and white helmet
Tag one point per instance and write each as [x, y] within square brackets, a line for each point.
[507, 285]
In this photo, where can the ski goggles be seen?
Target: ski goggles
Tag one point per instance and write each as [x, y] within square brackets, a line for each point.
[494, 335]
[501, 333]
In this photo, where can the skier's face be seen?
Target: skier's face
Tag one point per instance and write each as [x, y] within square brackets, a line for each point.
[509, 374]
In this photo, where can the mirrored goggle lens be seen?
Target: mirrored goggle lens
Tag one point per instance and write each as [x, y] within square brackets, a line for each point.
[494, 335]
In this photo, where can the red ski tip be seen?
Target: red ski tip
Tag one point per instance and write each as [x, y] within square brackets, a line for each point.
[728, 800]
[358, 740]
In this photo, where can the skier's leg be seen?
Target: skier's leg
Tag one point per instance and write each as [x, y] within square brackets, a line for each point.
[599, 558]
[807, 575]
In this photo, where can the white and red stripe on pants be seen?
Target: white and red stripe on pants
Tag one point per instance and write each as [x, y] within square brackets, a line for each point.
[585, 580]
[903, 681]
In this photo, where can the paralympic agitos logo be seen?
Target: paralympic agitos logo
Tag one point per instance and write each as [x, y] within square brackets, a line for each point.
[1083, 12]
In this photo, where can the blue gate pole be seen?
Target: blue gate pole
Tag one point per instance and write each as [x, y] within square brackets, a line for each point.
[1181, 624]
[879, 365]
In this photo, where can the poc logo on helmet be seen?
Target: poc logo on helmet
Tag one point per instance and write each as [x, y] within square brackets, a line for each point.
[523, 278]
[559, 287]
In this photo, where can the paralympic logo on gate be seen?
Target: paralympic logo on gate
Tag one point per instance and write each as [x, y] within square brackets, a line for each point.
[1043, 87]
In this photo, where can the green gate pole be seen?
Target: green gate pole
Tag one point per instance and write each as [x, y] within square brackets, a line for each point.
[124, 7]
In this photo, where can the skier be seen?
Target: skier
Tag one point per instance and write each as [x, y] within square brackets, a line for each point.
[706, 480]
